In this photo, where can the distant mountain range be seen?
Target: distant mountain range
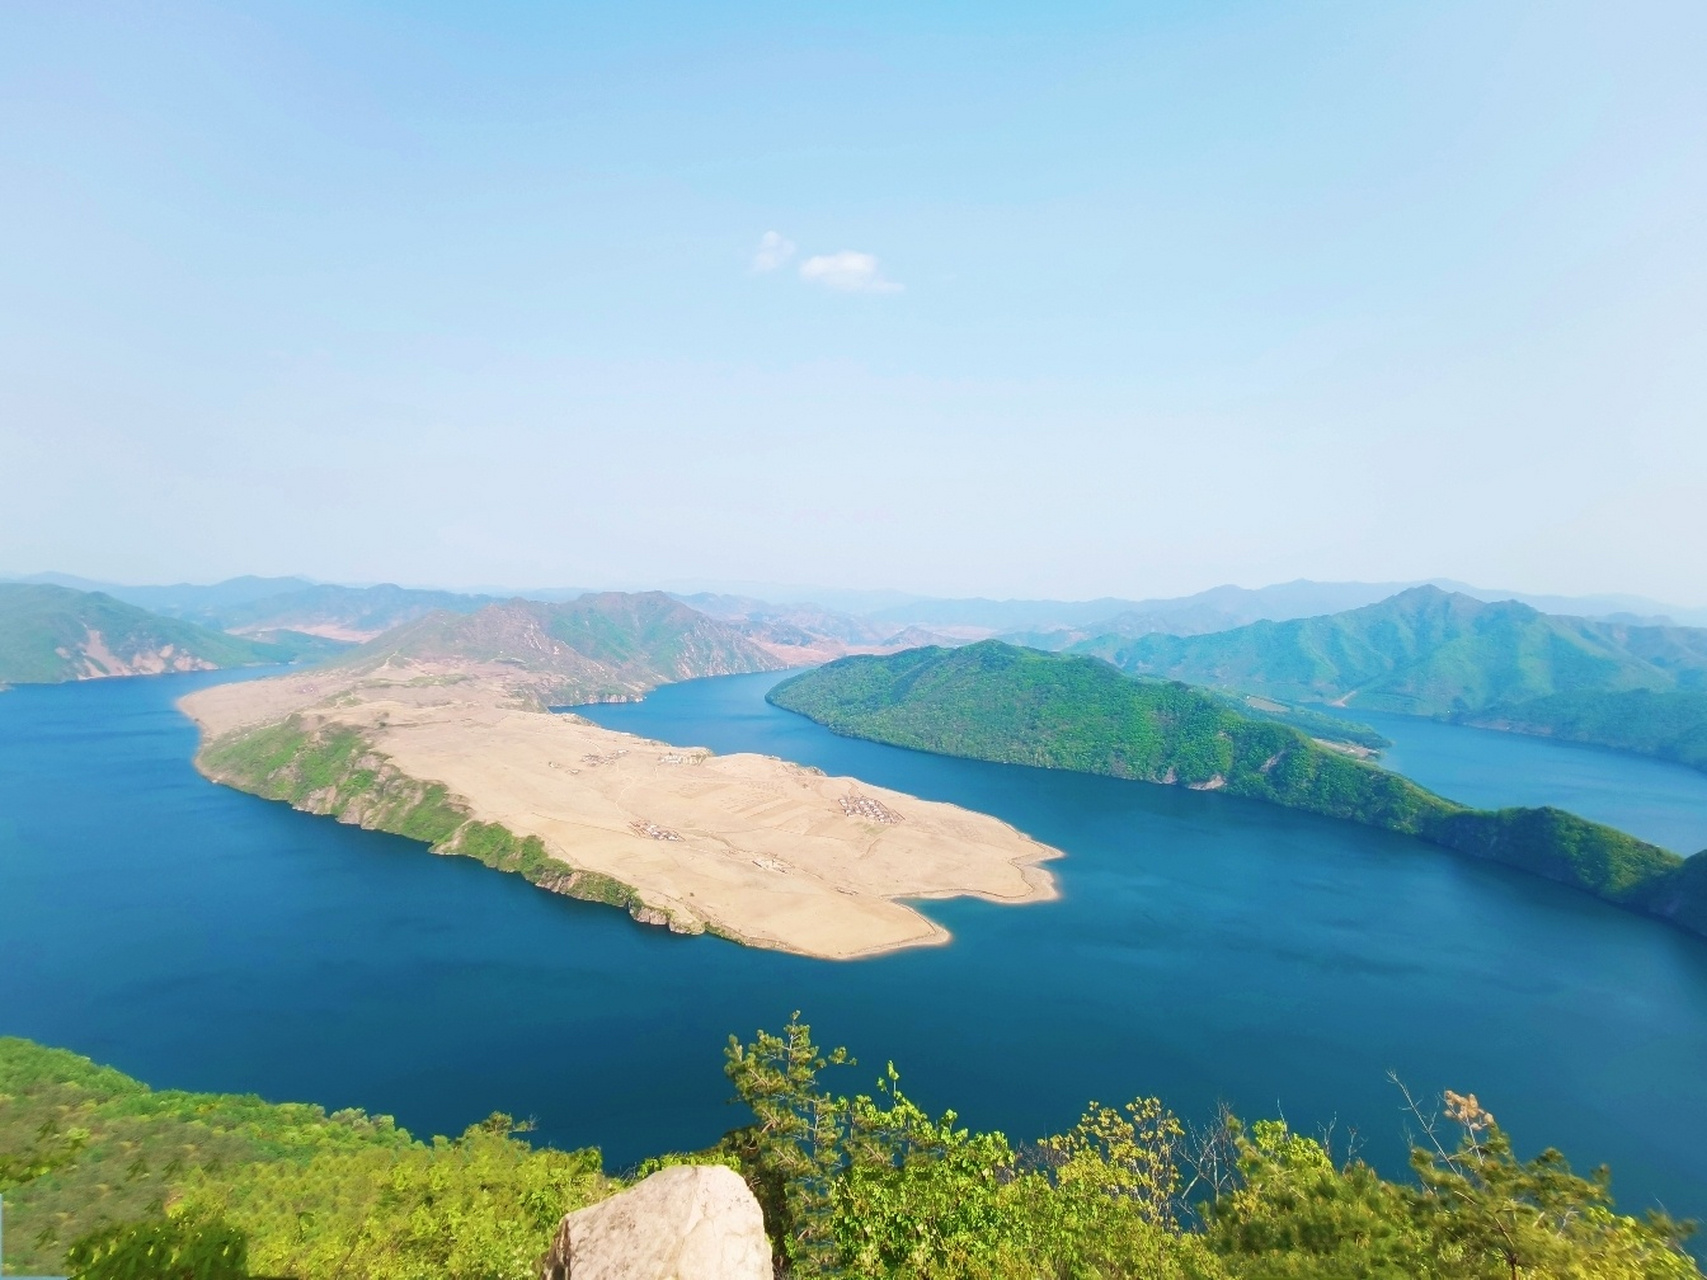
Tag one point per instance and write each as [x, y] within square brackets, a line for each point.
[1225, 607]
[797, 634]
[182, 599]
[1430, 652]
[1537, 664]
[1422, 652]
[820, 623]
[260, 606]
[1213, 610]
[352, 614]
[600, 646]
[812, 631]
[609, 646]
[1621, 679]
[50, 634]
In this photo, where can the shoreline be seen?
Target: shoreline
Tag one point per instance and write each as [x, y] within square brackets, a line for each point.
[751, 848]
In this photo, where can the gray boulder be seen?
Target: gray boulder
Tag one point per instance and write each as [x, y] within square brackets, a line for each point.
[692, 1222]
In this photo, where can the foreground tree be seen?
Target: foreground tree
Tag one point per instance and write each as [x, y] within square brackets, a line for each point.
[874, 1186]
[1476, 1213]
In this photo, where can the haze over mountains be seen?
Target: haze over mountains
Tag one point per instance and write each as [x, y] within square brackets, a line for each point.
[258, 606]
[825, 623]
[1422, 652]
[1429, 652]
[601, 647]
[1627, 677]
[50, 634]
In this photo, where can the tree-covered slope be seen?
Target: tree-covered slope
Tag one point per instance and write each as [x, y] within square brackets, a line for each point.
[991, 701]
[50, 634]
[1669, 725]
[1423, 652]
[82, 1144]
[83, 1147]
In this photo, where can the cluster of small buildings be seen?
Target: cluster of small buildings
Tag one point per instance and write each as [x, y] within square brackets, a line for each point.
[858, 806]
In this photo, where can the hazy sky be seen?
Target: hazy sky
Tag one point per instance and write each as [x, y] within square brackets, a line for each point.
[1042, 300]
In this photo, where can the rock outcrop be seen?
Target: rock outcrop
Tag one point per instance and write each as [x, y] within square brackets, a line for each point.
[691, 1222]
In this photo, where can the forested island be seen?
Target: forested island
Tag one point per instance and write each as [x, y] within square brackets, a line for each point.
[993, 701]
[109, 1179]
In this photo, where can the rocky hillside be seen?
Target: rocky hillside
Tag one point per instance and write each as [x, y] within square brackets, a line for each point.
[50, 634]
[604, 647]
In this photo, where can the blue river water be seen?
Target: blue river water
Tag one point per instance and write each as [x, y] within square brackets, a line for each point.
[1204, 949]
[1661, 802]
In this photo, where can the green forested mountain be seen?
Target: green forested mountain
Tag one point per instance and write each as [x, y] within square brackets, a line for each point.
[1423, 652]
[1669, 725]
[110, 1179]
[991, 701]
[50, 634]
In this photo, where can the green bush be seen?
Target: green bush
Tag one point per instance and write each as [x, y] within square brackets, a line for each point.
[182, 1248]
[480, 1207]
[862, 1186]
[872, 1186]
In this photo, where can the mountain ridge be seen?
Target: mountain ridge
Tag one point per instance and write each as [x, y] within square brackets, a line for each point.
[52, 634]
[604, 646]
[1422, 652]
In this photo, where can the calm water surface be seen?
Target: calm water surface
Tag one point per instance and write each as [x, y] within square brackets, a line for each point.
[1659, 801]
[1204, 949]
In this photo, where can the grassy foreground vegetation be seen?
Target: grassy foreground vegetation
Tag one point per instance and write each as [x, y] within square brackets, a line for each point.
[991, 701]
[100, 1171]
[112, 1179]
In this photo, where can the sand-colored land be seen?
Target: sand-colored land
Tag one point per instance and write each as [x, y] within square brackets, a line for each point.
[772, 853]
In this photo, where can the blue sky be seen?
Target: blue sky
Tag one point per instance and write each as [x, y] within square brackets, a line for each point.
[1061, 301]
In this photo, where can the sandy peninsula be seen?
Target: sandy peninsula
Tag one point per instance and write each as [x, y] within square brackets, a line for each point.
[758, 849]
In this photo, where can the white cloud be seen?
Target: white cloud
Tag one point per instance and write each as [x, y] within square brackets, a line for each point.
[774, 250]
[847, 271]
